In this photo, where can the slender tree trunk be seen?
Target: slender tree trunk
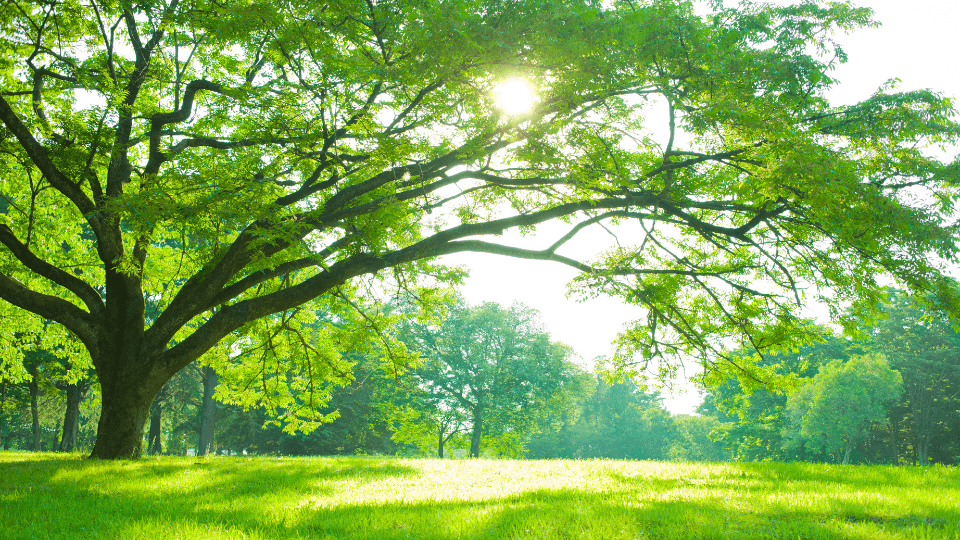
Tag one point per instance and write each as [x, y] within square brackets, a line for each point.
[154, 445]
[923, 449]
[847, 452]
[477, 431]
[56, 439]
[154, 437]
[71, 418]
[3, 415]
[440, 442]
[893, 443]
[208, 411]
[34, 407]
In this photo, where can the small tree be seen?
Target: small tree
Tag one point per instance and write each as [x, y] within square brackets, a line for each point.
[496, 367]
[837, 407]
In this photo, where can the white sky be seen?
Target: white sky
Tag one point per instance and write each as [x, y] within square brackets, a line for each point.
[918, 43]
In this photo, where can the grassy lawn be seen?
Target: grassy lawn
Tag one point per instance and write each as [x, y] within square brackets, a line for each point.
[57, 496]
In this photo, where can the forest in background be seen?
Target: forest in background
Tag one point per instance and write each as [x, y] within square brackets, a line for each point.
[492, 382]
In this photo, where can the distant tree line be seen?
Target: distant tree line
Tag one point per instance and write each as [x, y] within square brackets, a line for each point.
[891, 397]
[489, 381]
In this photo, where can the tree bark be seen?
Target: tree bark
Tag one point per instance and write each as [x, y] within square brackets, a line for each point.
[477, 431]
[123, 416]
[208, 411]
[71, 418]
[847, 452]
[440, 442]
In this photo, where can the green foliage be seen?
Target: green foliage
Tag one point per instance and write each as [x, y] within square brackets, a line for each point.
[754, 425]
[694, 440]
[242, 165]
[608, 421]
[837, 407]
[492, 369]
[925, 350]
[920, 427]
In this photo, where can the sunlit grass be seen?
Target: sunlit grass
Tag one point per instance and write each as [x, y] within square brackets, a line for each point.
[57, 496]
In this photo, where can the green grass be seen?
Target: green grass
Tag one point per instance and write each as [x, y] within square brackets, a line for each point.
[57, 496]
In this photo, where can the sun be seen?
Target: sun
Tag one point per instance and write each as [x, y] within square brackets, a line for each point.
[515, 96]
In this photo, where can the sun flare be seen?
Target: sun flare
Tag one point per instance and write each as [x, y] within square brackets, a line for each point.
[515, 97]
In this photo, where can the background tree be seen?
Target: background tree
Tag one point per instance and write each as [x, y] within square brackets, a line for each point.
[917, 342]
[754, 423]
[360, 423]
[626, 424]
[429, 422]
[561, 432]
[496, 366]
[208, 410]
[611, 421]
[75, 388]
[177, 412]
[837, 407]
[155, 434]
[245, 164]
[925, 350]
[695, 439]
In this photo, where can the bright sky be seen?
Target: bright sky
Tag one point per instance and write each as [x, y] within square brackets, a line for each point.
[917, 43]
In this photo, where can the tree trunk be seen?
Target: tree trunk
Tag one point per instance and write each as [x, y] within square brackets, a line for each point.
[34, 408]
[440, 442]
[208, 411]
[894, 426]
[123, 416]
[475, 438]
[3, 415]
[847, 452]
[71, 418]
[154, 445]
[923, 449]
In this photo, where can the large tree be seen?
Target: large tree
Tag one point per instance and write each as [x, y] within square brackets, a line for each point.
[233, 162]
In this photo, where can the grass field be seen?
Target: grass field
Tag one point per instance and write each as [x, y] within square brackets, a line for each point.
[57, 496]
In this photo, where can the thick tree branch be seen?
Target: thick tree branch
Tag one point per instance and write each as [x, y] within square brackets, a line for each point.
[41, 159]
[81, 323]
[85, 292]
[232, 317]
[256, 278]
[158, 121]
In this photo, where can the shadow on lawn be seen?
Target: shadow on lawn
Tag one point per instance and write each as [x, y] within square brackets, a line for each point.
[288, 498]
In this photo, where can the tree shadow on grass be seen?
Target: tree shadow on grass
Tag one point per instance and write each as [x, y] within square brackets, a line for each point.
[569, 513]
[40, 494]
[363, 499]
[842, 495]
[866, 477]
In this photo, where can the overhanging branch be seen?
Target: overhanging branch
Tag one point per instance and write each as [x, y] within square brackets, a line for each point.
[81, 323]
[85, 292]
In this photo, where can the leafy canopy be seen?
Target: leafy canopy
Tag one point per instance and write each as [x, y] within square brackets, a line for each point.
[237, 166]
[837, 407]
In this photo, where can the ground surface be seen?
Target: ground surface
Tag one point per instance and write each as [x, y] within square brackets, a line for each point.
[55, 496]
